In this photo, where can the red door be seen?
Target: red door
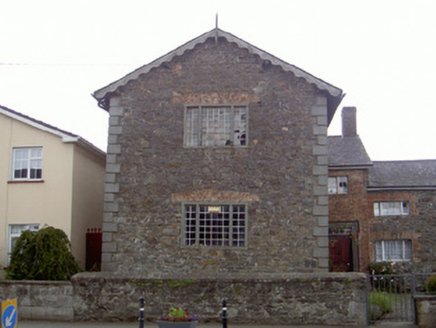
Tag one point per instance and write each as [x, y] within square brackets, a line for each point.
[341, 254]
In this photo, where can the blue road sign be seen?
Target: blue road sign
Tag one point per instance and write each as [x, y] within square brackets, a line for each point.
[9, 317]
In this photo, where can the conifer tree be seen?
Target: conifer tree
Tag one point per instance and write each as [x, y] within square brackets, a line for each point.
[42, 255]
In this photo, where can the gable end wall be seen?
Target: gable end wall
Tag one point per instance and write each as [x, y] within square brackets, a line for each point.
[282, 172]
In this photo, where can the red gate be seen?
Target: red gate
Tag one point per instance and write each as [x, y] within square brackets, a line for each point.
[93, 249]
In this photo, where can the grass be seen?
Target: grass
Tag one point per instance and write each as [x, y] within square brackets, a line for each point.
[381, 304]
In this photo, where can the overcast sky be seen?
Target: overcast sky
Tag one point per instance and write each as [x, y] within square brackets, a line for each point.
[382, 54]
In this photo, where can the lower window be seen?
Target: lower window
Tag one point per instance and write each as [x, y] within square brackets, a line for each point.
[15, 231]
[215, 225]
[393, 250]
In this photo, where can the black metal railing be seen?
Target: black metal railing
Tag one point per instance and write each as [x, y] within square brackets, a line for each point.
[391, 297]
[224, 316]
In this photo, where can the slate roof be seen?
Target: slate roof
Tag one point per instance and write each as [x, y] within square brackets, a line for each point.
[65, 135]
[414, 174]
[334, 94]
[347, 152]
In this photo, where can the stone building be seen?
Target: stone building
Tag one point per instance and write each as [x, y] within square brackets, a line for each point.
[379, 210]
[217, 163]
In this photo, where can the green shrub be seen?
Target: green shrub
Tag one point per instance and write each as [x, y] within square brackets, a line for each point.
[22, 257]
[389, 283]
[42, 255]
[381, 268]
[430, 284]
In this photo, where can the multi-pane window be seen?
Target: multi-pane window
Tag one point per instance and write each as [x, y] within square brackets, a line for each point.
[215, 225]
[391, 208]
[338, 185]
[393, 250]
[15, 231]
[27, 163]
[216, 126]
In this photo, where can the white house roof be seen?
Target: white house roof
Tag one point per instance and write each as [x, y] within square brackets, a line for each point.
[334, 94]
[65, 135]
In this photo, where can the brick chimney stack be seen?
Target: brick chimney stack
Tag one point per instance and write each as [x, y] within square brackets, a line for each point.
[349, 128]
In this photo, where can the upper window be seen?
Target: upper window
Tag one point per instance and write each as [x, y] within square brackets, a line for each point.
[391, 208]
[215, 225]
[393, 250]
[215, 125]
[338, 185]
[27, 163]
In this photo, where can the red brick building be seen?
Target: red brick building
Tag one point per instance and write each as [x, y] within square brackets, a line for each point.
[379, 211]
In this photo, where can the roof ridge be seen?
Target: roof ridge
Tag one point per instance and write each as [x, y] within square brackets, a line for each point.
[37, 121]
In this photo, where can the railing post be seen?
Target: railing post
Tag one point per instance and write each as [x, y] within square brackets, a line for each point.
[141, 312]
[412, 297]
[224, 315]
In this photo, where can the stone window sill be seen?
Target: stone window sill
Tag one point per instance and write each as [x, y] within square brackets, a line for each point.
[25, 181]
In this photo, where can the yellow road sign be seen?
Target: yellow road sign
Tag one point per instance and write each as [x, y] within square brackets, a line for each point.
[9, 314]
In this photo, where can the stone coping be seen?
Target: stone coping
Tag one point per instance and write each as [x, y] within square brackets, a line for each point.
[93, 276]
[223, 276]
[35, 282]
[425, 297]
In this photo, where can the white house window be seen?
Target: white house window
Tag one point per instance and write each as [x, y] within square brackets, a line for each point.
[338, 185]
[391, 208]
[215, 225]
[27, 163]
[393, 250]
[15, 231]
[215, 125]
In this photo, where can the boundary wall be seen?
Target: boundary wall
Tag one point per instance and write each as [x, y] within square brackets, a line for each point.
[426, 311]
[333, 299]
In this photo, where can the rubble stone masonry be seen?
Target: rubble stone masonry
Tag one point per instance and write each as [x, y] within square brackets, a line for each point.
[418, 226]
[324, 299]
[281, 174]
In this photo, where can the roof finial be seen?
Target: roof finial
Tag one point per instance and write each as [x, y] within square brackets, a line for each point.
[216, 28]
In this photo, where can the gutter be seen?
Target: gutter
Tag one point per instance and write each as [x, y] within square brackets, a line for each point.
[349, 167]
[400, 188]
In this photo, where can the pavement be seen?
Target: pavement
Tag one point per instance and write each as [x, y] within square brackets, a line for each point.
[46, 324]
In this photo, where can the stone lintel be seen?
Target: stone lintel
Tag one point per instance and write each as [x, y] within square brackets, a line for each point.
[211, 195]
